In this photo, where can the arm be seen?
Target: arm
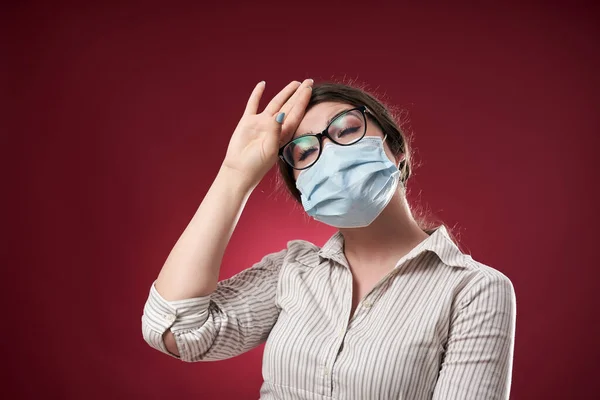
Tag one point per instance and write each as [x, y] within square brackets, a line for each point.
[191, 270]
[180, 296]
[235, 318]
[478, 359]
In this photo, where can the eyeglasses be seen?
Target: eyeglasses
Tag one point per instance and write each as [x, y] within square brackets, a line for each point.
[345, 129]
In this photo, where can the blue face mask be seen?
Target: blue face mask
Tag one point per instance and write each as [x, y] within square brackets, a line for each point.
[349, 186]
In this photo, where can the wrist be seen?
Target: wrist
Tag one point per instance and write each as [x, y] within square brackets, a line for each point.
[235, 180]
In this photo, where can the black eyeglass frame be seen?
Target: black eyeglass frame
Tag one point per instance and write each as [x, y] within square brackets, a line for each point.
[325, 133]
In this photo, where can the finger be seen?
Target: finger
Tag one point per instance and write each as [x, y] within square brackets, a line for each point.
[279, 118]
[271, 140]
[295, 115]
[254, 100]
[275, 104]
[292, 100]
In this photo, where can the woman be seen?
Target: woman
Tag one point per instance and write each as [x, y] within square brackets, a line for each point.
[383, 310]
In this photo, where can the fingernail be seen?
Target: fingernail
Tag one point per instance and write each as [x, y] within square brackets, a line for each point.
[279, 117]
[311, 81]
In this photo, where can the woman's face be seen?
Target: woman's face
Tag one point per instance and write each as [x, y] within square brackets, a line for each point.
[315, 120]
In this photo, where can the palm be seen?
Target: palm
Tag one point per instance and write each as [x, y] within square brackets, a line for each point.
[252, 144]
[255, 143]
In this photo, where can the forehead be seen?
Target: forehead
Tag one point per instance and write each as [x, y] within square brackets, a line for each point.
[315, 120]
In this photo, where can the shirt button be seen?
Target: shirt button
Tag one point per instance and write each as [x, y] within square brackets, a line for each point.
[326, 371]
[367, 304]
[169, 317]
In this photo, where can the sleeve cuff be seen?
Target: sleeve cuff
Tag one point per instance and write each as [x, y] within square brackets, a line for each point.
[177, 315]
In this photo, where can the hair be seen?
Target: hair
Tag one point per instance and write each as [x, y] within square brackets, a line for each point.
[391, 122]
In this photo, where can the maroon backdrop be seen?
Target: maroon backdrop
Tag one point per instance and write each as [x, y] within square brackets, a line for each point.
[116, 119]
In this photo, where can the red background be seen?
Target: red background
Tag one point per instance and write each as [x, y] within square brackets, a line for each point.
[117, 118]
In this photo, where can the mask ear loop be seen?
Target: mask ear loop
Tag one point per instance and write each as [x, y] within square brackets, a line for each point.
[401, 158]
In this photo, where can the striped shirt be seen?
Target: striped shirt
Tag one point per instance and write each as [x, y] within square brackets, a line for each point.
[439, 325]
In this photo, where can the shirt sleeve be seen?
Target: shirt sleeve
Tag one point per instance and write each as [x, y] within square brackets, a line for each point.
[235, 318]
[479, 352]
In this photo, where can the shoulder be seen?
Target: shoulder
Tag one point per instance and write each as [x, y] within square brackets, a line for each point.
[484, 281]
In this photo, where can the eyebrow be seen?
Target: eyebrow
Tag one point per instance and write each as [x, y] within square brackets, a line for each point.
[328, 123]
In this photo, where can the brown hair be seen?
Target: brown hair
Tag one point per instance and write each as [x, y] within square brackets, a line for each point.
[389, 122]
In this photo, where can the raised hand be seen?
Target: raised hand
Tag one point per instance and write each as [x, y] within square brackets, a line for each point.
[256, 140]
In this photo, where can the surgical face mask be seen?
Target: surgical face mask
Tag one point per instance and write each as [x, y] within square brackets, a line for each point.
[349, 186]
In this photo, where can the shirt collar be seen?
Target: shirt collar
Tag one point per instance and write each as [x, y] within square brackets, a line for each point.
[438, 242]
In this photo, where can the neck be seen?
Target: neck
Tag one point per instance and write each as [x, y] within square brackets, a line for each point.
[392, 235]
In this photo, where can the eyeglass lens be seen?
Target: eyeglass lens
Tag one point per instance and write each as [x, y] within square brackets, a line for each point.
[345, 129]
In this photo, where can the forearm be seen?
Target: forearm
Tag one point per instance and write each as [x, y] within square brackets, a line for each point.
[192, 267]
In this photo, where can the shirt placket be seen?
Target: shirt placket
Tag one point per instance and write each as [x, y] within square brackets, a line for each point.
[344, 324]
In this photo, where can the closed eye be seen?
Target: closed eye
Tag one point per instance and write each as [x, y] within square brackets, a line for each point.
[306, 153]
[348, 131]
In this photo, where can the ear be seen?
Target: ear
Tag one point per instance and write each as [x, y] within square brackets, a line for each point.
[399, 158]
